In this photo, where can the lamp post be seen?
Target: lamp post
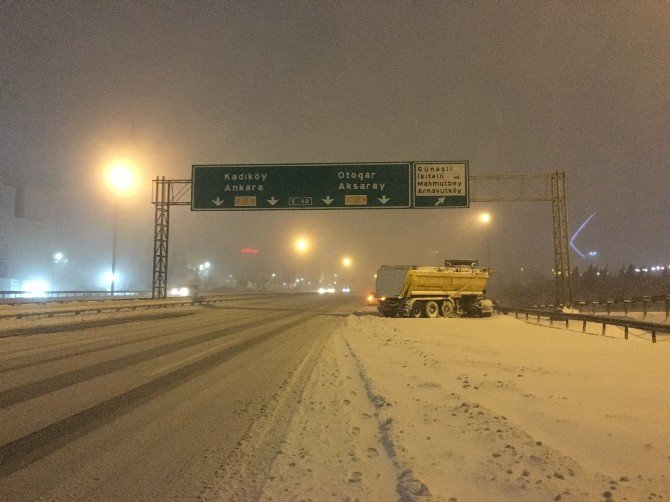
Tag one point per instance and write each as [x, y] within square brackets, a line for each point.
[485, 219]
[58, 257]
[347, 262]
[116, 230]
[121, 180]
[302, 246]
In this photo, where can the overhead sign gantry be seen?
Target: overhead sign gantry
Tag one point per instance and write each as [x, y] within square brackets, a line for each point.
[389, 185]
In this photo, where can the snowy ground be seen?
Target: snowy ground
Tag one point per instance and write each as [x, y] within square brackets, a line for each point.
[479, 409]
[471, 409]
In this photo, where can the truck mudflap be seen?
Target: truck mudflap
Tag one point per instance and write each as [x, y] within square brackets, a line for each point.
[485, 307]
[392, 307]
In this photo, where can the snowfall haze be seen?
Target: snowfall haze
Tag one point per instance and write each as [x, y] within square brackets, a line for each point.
[512, 87]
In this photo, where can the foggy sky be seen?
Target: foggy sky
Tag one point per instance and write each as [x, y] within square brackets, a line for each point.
[512, 87]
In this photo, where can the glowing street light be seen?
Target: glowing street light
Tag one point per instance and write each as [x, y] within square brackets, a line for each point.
[301, 245]
[485, 218]
[204, 269]
[121, 179]
[58, 258]
[346, 262]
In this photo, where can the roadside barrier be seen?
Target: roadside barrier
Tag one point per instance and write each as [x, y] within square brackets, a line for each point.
[108, 305]
[629, 304]
[50, 296]
[555, 315]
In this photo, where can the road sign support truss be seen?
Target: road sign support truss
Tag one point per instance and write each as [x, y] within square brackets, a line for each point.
[166, 193]
[535, 187]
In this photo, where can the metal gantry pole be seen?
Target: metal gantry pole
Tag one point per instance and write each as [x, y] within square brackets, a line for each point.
[166, 193]
[559, 204]
[161, 233]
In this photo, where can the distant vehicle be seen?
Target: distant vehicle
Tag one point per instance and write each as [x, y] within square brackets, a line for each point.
[179, 291]
[371, 299]
[450, 291]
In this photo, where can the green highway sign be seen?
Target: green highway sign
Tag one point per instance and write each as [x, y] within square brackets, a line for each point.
[300, 186]
[390, 185]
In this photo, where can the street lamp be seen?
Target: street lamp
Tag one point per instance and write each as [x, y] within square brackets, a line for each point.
[121, 180]
[485, 219]
[346, 262]
[58, 258]
[301, 245]
[204, 268]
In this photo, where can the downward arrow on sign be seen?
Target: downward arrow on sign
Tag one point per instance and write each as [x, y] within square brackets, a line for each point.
[273, 201]
[218, 201]
[328, 200]
[384, 199]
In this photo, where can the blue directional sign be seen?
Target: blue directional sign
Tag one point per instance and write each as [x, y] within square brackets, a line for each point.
[301, 186]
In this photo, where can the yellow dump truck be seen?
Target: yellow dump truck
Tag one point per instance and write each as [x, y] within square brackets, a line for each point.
[456, 289]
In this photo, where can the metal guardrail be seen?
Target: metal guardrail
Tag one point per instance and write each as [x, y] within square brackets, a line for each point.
[628, 304]
[141, 305]
[91, 309]
[555, 315]
[55, 295]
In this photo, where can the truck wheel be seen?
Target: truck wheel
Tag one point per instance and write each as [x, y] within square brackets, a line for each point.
[417, 310]
[431, 309]
[448, 308]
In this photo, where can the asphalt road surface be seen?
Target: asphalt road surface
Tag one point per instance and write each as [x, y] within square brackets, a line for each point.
[156, 409]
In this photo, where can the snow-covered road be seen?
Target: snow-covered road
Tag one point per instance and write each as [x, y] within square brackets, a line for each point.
[153, 409]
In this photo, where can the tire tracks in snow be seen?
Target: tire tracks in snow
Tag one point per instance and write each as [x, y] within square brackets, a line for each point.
[408, 487]
[24, 451]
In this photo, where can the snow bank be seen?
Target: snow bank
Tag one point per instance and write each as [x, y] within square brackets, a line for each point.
[479, 409]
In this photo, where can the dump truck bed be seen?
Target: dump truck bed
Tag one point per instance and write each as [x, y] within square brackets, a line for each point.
[395, 281]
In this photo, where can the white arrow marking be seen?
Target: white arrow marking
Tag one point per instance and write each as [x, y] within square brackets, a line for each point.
[328, 200]
[384, 199]
[218, 201]
[273, 201]
[440, 200]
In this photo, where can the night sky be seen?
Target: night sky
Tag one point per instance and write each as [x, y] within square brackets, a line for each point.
[512, 87]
